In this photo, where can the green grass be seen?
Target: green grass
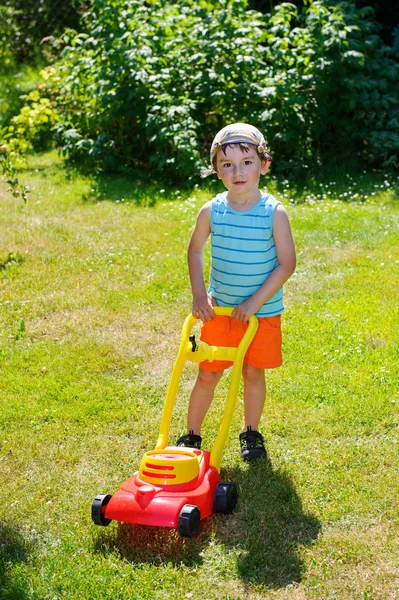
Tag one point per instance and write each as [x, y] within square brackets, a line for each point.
[93, 292]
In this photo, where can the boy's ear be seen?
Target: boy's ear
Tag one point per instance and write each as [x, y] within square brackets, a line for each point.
[265, 166]
[218, 174]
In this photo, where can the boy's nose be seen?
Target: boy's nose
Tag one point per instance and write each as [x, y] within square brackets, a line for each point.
[237, 171]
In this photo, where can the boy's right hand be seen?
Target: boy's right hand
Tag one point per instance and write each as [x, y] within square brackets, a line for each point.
[203, 307]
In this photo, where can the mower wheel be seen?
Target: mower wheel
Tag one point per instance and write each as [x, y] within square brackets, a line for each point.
[189, 521]
[226, 497]
[97, 513]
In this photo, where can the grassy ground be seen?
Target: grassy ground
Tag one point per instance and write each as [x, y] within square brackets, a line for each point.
[93, 292]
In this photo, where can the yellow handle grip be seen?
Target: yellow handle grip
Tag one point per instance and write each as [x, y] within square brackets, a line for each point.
[219, 310]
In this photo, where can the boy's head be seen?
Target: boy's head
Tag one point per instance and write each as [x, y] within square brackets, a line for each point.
[241, 134]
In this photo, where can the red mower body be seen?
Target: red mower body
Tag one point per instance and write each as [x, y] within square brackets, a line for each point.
[144, 503]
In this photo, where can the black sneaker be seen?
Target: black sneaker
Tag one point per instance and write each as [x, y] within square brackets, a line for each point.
[252, 445]
[190, 440]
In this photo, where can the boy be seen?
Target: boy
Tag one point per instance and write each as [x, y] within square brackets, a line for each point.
[252, 256]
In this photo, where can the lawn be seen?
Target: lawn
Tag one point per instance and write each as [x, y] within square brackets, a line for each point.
[94, 289]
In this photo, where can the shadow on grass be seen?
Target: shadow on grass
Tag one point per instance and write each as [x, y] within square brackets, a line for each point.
[124, 189]
[13, 550]
[268, 527]
[266, 532]
[140, 544]
[143, 188]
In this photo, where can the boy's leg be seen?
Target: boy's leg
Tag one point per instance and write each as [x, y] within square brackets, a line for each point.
[201, 398]
[254, 395]
[251, 441]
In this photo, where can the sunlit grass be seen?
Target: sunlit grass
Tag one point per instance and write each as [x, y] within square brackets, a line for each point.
[94, 289]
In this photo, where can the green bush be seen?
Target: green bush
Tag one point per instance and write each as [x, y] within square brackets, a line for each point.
[8, 31]
[32, 128]
[26, 23]
[15, 84]
[334, 90]
[148, 84]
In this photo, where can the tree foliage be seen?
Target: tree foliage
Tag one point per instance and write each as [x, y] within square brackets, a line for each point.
[148, 84]
[25, 23]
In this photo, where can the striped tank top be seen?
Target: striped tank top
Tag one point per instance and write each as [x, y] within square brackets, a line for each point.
[243, 253]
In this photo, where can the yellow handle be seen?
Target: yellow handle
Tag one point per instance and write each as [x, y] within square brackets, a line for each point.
[238, 357]
[217, 450]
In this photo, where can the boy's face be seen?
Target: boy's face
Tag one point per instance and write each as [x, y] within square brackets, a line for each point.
[239, 170]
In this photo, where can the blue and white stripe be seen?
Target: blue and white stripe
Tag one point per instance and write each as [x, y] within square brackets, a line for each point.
[243, 253]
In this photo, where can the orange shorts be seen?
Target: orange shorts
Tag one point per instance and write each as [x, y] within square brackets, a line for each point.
[264, 351]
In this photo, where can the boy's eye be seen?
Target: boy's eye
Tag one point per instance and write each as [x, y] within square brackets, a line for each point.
[227, 165]
[248, 162]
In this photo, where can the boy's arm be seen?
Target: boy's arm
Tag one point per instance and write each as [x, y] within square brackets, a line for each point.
[202, 301]
[286, 258]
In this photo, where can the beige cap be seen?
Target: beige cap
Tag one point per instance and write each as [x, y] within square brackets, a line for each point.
[237, 133]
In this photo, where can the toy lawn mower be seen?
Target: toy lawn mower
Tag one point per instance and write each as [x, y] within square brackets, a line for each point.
[177, 486]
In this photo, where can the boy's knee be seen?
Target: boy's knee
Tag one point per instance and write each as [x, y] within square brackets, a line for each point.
[252, 374]
[209, 378]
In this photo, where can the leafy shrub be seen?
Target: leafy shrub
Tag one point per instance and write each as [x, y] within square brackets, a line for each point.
[334, 85]
[31, 129]
[8, 31]
[148, 84]
[8, 169]
[30, 21]
[15, 84]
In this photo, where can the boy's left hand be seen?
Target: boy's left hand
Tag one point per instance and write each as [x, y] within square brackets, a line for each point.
[243, 311]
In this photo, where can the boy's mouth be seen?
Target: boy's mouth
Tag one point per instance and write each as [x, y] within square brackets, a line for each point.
[239, 182]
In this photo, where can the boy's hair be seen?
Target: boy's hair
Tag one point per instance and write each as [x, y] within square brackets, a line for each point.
[238, 134]
[244, 147]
